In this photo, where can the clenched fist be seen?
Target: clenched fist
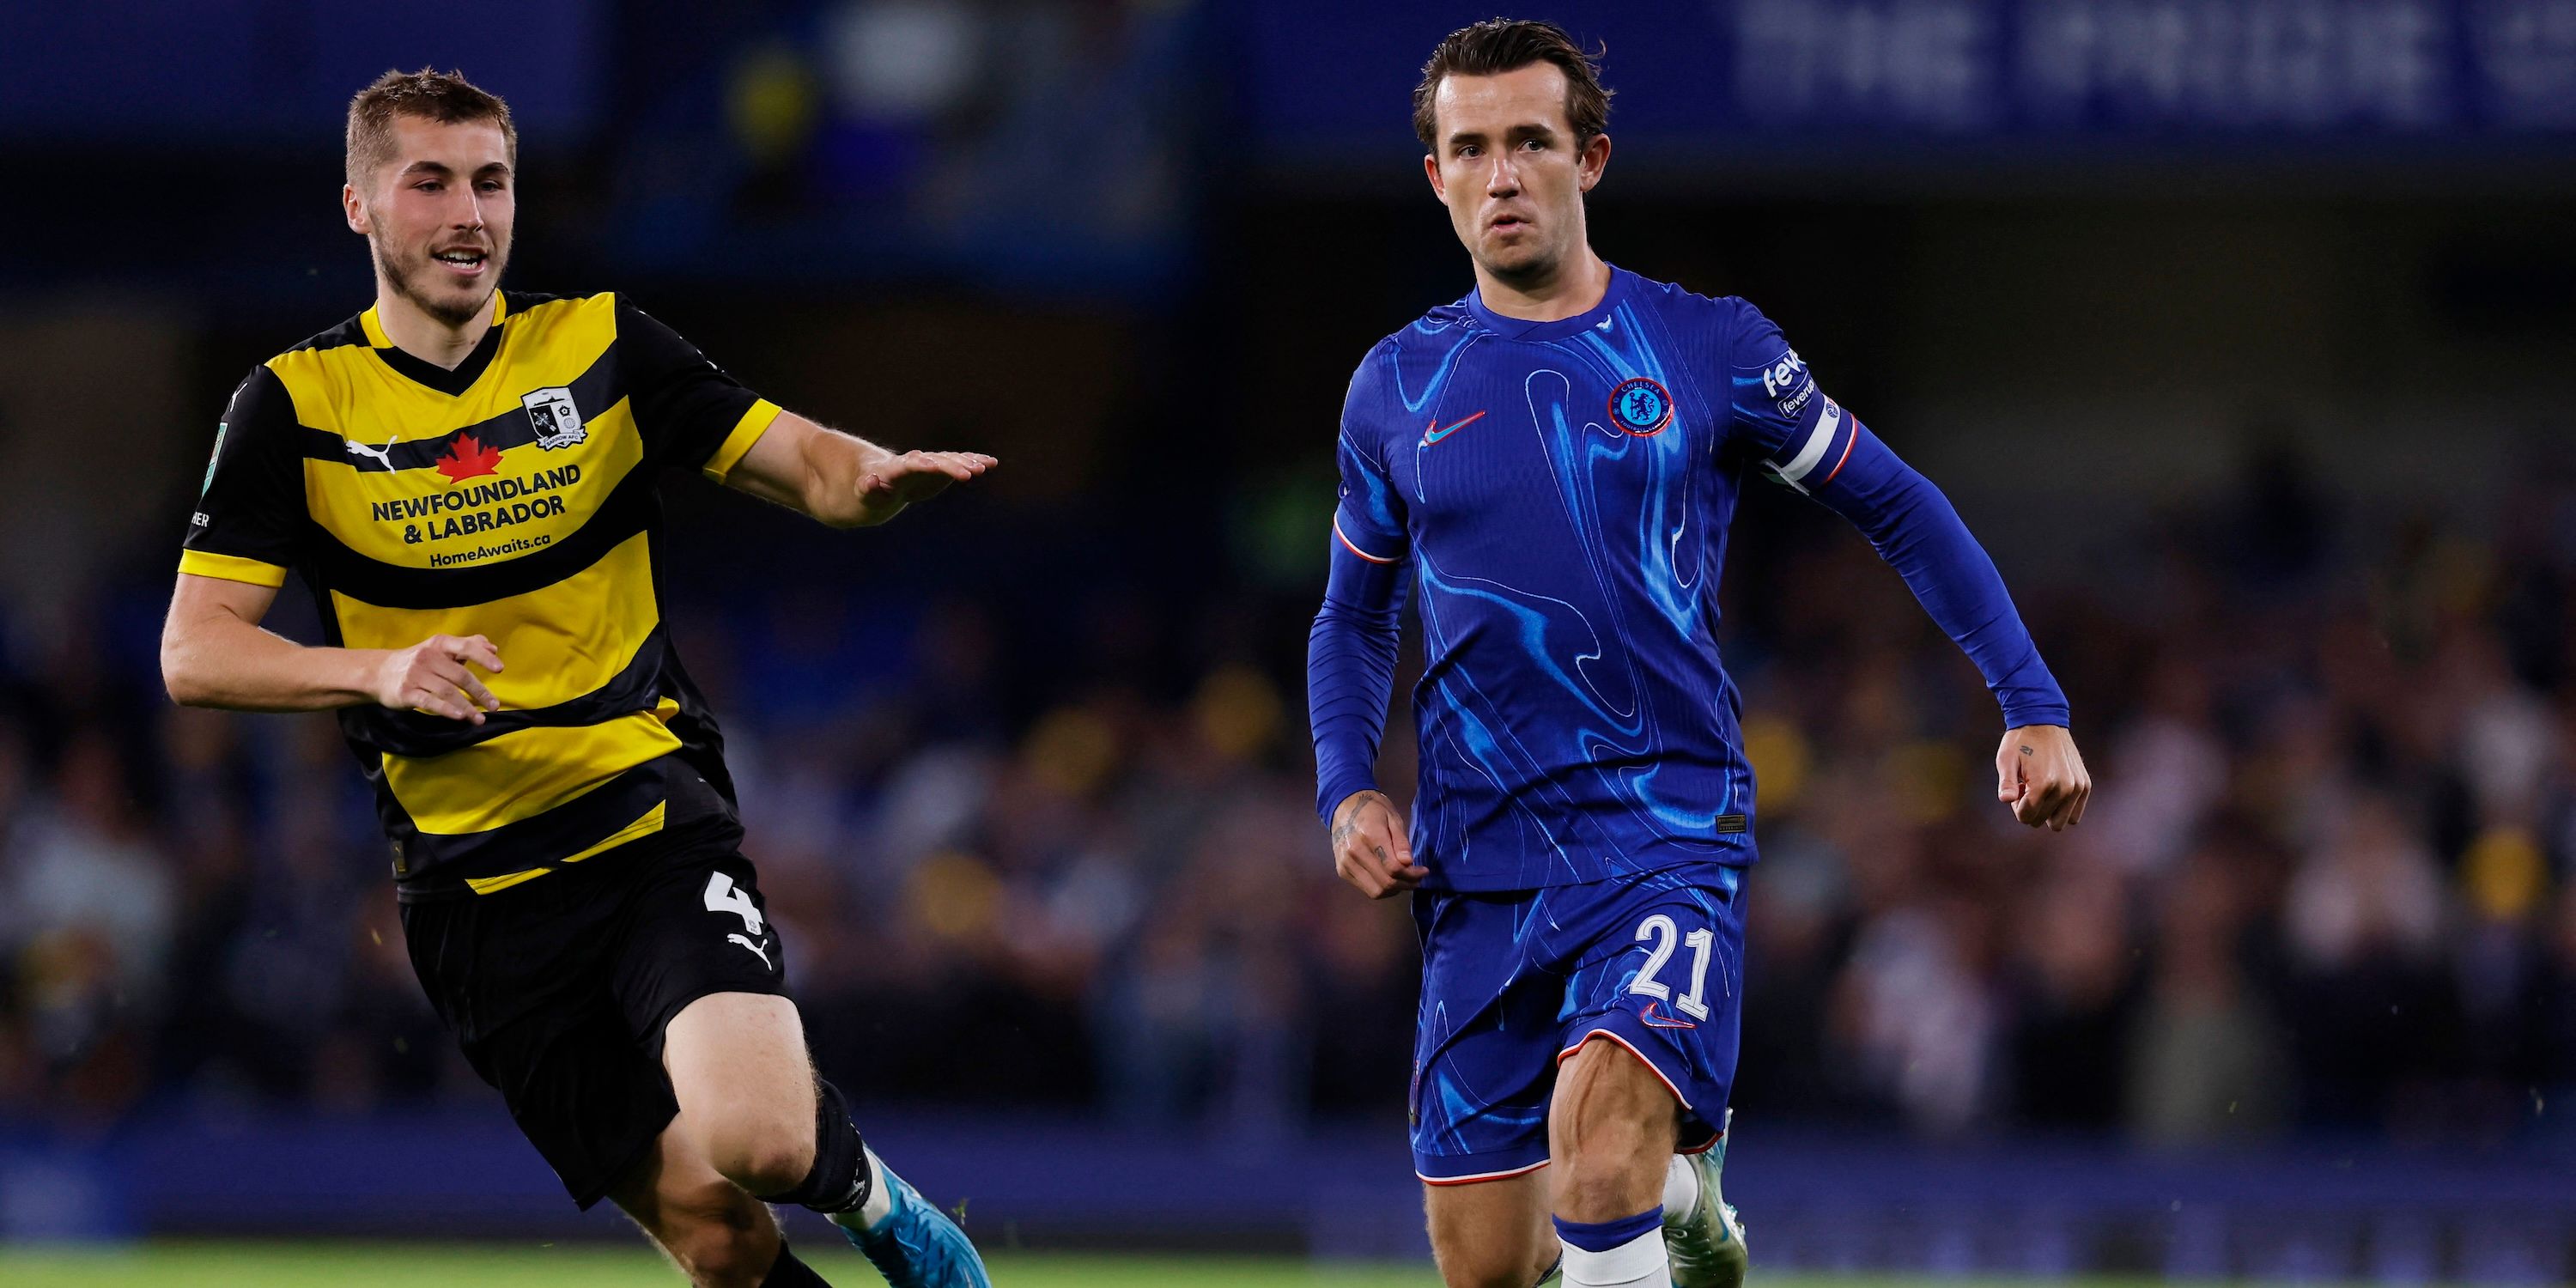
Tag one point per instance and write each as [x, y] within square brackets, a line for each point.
[2040, 774]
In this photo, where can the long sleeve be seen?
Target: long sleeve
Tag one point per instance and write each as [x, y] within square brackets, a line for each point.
[1350, 653]
[1350, 672]
[1915, 529]
[1814, 445]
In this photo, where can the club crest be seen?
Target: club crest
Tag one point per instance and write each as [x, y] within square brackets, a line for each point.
[552, 414]
[1640, 406]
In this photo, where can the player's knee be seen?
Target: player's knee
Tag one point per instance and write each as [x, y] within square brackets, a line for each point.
[767, 1157]
[1613, 1167]
[1605, 1182]
[1611, 1134]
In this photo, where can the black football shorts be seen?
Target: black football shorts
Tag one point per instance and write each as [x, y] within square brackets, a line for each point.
[558, 990]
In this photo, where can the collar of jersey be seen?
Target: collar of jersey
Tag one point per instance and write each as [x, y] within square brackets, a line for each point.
[424, 372]
[1523, 329]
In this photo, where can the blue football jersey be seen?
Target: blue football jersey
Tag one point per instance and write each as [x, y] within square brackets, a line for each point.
[1559, 494]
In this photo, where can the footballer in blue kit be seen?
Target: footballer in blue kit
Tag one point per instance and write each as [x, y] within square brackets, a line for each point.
[1549, 466]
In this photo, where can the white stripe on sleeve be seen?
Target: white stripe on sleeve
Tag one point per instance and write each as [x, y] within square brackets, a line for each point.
[1817, 442]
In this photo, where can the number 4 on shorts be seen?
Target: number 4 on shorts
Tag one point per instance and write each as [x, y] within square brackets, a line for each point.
[723, 897]
[1661, 929]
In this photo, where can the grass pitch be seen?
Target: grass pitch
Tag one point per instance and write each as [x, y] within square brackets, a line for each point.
[294, 1265]
[387, 1265]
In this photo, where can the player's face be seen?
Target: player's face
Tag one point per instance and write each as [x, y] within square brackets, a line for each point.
[439, 215]
[1506, 165]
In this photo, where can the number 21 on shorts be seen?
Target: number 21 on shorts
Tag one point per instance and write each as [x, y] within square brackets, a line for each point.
[1667, 936]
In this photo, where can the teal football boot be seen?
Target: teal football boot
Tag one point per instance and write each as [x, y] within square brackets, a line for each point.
[914, 1245]
[1705, 1243]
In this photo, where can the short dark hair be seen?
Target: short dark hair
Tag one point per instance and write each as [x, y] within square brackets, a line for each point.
[1499, 45]
[445, 97]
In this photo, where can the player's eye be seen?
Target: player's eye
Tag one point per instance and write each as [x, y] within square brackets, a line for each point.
[427, 185]
[1535, 145]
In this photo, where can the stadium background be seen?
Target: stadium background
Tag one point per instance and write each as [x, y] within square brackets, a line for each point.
[2239, 329]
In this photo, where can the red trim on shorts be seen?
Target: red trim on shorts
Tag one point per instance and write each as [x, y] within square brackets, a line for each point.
[1669, 1085]
[1484, 1176]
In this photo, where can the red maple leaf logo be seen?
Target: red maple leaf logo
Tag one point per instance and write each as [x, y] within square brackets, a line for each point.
[466, 458]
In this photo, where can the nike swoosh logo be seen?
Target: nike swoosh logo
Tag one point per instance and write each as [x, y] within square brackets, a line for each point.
[1654, 1020]
[755, 950]
[1431, 436]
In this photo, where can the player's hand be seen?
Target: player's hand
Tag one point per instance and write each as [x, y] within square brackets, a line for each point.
[436, 676]
[1369, 849]
[898, 481]
[2041, 776]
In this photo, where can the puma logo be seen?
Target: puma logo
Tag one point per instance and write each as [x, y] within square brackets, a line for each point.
[755, 950]
[382, 454]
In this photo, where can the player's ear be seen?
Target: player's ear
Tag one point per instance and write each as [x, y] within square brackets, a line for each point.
[353, 209]
[1595, 159]
[1431, 171]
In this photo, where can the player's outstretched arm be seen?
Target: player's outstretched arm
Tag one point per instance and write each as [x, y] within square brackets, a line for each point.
[844, 480]
[215, 654]
[2039, 773]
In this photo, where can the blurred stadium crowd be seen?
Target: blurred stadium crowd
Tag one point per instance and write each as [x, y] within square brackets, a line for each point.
[2324, 885]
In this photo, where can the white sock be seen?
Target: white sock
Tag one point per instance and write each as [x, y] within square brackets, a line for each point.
[1681, 1188]
[880, 1201]
[1638, 1263]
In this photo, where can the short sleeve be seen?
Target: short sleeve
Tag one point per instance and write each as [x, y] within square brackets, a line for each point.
[1370, 519]
[1779, 415]
[250, 520]
[690, 412]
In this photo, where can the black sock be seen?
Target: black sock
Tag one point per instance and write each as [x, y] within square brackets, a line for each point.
[788, 1272]
[841, 1178]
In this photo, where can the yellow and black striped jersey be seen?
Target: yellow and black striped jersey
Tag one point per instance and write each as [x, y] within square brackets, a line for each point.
[514, 498]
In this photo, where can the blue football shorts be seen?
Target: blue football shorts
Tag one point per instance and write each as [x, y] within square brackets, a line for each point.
[1515, 982]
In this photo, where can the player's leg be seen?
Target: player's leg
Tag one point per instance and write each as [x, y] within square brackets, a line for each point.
[746, 1089]
[702, 969]
[1484, 1059]
[1648, 1062]
[1491, 1234]
[1702, 1234]
[718, 1235]
[1610, 1134]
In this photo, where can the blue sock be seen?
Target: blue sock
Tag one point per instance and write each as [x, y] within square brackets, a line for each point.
[1602, 1236]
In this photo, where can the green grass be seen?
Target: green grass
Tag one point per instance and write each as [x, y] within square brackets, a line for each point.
[272, 1265]
[313, 1265]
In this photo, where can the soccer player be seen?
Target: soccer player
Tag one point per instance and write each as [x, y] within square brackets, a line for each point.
[1554, 460]
[465, 478]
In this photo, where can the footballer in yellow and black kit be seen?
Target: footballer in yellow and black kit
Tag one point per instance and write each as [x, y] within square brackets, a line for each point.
[568, 867]
[513, 498]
